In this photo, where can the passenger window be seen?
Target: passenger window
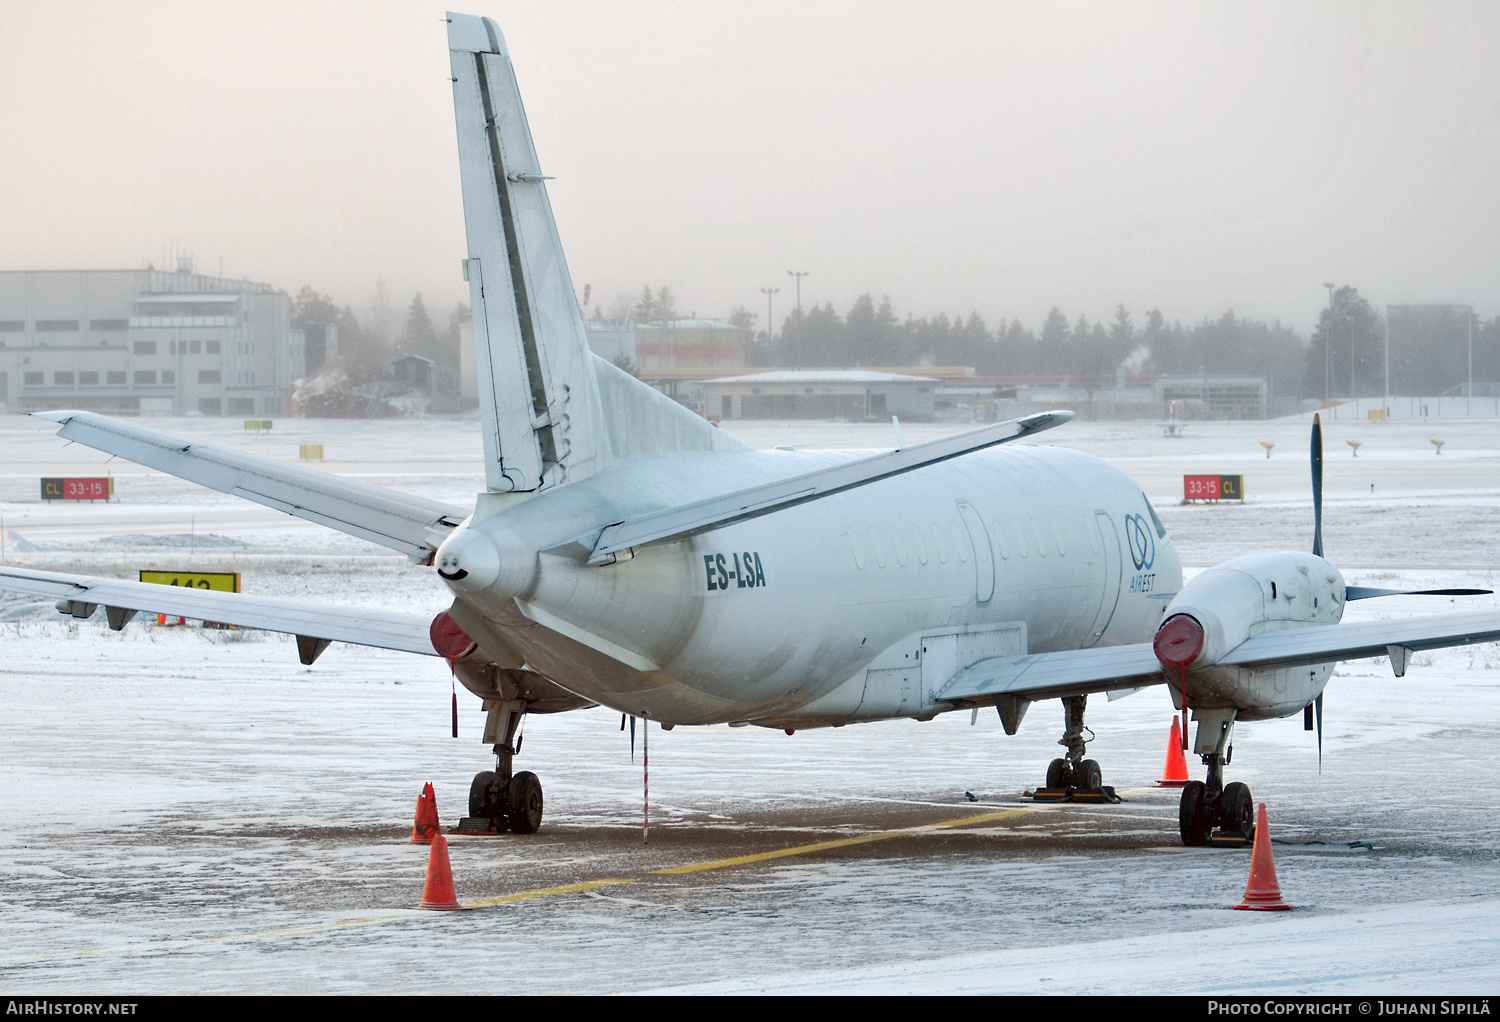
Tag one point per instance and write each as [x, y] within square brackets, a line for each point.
[1091, 530]
[918, 545]
[1041, 538]
[999, 533]
[959, 544]
[1062, 541]
[859, 556]
[942, 545]
[879, 550]
[896, 545]
[1020, 538]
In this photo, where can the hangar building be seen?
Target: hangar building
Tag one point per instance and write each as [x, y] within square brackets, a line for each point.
[146, 342]
[819, 394]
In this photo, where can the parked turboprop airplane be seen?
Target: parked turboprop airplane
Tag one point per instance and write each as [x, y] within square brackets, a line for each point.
[628, 553]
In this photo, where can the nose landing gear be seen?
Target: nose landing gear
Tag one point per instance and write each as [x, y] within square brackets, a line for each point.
[1075, 778]
[1211, 811]
[499, 799]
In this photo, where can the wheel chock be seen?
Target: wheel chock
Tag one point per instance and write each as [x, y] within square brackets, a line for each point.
[476, 825]
[1084, 796]
[1219, 839]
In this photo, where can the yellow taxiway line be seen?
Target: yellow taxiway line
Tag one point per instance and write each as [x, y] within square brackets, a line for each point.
[823, 846]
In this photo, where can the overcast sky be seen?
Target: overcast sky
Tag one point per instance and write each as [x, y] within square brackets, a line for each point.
[957, 157]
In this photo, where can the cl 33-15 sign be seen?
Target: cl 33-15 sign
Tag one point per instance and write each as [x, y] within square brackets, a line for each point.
[101, 488]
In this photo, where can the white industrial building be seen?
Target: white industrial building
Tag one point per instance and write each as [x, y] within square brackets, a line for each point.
[147, 342]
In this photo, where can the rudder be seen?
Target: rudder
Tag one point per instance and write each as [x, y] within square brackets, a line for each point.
[539, 399]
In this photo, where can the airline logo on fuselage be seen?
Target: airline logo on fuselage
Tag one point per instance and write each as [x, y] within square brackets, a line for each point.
[1142, 546]
[738, 571]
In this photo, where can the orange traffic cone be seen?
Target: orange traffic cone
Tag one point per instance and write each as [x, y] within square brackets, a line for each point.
[438, 894]
[1262, 892]
[426, 826]
[1174, 774]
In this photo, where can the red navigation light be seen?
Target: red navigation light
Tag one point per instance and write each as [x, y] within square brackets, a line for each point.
[450, 641]
[1178, 641]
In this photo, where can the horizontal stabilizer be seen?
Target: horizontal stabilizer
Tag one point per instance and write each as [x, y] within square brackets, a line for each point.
[415, 526]
[383, 629]
[716, 512]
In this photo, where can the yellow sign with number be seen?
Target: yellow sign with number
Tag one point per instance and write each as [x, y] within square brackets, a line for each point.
[223, 581]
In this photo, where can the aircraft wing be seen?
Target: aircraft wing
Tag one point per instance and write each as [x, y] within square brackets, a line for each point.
[1318, 644]
[1065, 673]
[315, 625]
[1080, 671]
[413, 525]
[715, 512]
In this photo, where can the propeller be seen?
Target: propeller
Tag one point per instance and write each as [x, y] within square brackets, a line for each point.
[1317, 485]
[1318, 711]
[1352, 592]
[1358, 592]
[1368, 593]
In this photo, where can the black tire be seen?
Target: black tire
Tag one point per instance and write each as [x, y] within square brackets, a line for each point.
[524, 803]
[1192, 815]
[1088, 777]
[479, 793]
[1059, 774]
[1237, 810]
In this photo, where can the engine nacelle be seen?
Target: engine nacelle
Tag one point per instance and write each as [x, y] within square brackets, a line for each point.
[1229, 603]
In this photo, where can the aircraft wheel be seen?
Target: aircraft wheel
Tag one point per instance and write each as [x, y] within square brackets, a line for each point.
[1237, 810]
[1192, 815]
[479, 793]
[1088, 776]
[524, 803]
[1059, 774]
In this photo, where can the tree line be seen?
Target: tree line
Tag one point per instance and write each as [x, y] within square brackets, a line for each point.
[1429, 345]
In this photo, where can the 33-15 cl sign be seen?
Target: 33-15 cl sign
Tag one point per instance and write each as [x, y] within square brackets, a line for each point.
[101, 488]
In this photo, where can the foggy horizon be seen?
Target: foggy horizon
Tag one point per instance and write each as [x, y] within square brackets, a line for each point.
[969, 159]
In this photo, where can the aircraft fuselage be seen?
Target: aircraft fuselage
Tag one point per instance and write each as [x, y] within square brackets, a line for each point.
[779, 619]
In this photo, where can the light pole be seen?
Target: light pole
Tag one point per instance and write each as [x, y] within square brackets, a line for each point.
[799, 274]
[770, 323]
[1328, 349]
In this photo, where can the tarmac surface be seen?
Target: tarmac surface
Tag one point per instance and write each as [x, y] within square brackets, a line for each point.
[193, 811]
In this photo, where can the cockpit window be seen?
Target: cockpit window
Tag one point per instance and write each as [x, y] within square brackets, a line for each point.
[1161, 530]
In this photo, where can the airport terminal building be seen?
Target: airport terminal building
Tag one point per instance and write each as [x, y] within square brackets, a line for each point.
[145, 342]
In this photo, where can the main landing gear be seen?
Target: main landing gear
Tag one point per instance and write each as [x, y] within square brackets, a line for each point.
[500, 799]
[1214, 805]
[1075, 777]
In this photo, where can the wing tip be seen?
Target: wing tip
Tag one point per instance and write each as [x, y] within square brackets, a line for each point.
[60, 415]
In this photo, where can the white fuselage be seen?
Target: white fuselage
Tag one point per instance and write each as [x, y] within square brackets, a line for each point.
[816, 614]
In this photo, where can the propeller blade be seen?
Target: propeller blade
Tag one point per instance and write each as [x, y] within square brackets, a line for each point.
[1318, 710]
[632, 739]
[1368, 593]
[1317, 485]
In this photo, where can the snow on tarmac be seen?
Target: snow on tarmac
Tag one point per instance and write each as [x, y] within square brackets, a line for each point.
[194, 811]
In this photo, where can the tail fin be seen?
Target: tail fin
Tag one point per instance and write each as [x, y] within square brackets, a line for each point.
[538, 396]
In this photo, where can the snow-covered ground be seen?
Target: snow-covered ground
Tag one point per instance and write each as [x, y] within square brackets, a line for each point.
[194, 811]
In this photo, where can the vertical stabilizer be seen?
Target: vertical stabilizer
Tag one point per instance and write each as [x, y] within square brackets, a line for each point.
[538, 396]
